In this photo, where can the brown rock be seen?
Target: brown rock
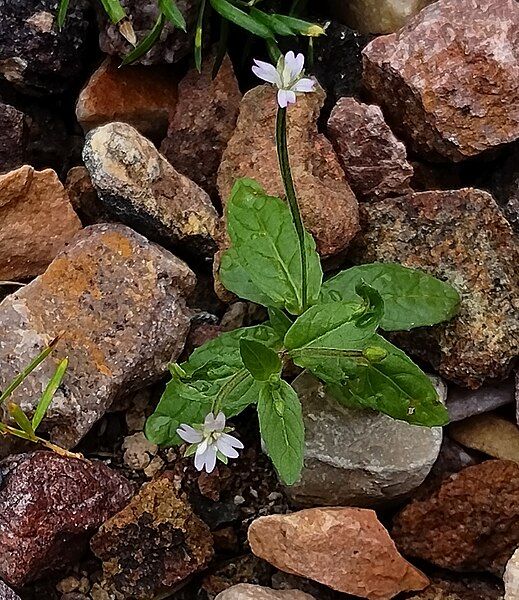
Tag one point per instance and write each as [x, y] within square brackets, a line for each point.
[143, 97]
[364, 561]
[36, 221]
[470, 524]
[246, 591]
[448, 79]
[374, 161]
[6, 593]
[83, 197]
[119, 302]
[203, 123]
[13, 136]
[511, 577]
[490, 434]
[468, 588]
[49, 506]
[462, 237]
[153, 543]
[328, 206]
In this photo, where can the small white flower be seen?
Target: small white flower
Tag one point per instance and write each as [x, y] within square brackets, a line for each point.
[210, 441]
[288, 77]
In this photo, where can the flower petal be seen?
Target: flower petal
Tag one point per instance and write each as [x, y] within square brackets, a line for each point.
[266, 71]
[304, 85]
[210, 458]
[232, 441]
[286, 97]
[200, 458]
[220, 421]
[190, 434]
[293, 67]
[209, 422]
[226, 449]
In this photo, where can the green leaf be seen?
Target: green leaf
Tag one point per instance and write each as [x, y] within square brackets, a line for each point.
[279, 321]
[260, 361]
[199, 36]
[146, 44]
[114, 10]
[21, 419]
[5, 429]
[271, 22]
[172, 13]
[264, 264]
[240, 18]
[48, 394]
[282, 428]
[411, 298]
[62, 13]
[299, 27]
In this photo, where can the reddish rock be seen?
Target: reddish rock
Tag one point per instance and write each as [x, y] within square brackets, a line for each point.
[374, 161]
[36, 221]
[49, 506]
[12, 137]
[143, 97]
[153, 543]
[364, 561]
[203, 123]
[246, 591]
[471, 523]
[462, 237]
[448, 78]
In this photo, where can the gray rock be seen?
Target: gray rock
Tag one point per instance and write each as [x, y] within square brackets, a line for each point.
[12, 137]
[463, 403]
[247, 591]
[357, 457]
[6, 593]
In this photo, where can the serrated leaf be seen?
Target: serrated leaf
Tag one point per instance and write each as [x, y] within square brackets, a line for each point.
[172, 13]
[114, 10]
[260, 361]
[240, 18]
[48, 394]
[411, 298]
[147, 43]
[279, 321]
[282, 428]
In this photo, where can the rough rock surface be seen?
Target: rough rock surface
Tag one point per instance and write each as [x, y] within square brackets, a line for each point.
[138, 186]
[119, 303]
[153, 543]
[374, 161]
[203, 123]
[364, 561]
[49, 506]
[471, 523]
[143, 97]
[505, 187]
[463, 403]
[462, 237]
[449, 77]
[6, 593]
[358, 457]
[36, 221]
[34, 55]
[328, 206]
[12, 137]
[246, 591]
[511, 577]
[461, 588]
[84, 198]
[490, 434]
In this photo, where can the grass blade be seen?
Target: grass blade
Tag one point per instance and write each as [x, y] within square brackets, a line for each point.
[198, 37]
[48, 394]
[222, 47]
[21, 419]
[6, 430]
[239, 17]
[147, 42]
[172, 13]
[62, 13]
[114, 10]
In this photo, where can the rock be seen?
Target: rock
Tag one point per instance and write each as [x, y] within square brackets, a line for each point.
[374, 161]
[505, 187]
[13, 136]
[173, 43]
[50, 505]
[470, 524]
[36, 57]
[511, 577]
[203, 123]
[462, 237]
[358, 457]
[463, 403]
[469, 588]
[119, 303]
[153, 543]
[36, 221]
[328, 206]
[143, 97]
[376, 16]
[6, 593]
[490, 434]
[138, 187]
[138, 451]
[433, 77]
[364, 561]
[84, 198]
[246, 591]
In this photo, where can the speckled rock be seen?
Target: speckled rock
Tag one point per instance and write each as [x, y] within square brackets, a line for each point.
[153, 543]
[246, 591]
[489, 434]
[49, 506]
[119, 303]
[36, 221]
[6, 593]
[463, 403]
[13, 136]
[462, 237]
[461, 588]
[203, 123]
[364, 561]
[358, 457]
[505, 187]
[471, 523]
[328, 205]
[374, 161]
[448, 79]
[511, 577]
[138, 187]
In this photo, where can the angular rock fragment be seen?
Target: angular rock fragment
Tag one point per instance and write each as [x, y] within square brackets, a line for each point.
[364, 561]
[463, 403]
[448, 79]
[84, 198]
[470, 524]
[138, 187]
[489, 434]
[118, 302]
[457, 588]
[13, 136]
[49, 507]
[6, 593]
[153, 543]
[246, 591]
[511, 577]
[505, 187]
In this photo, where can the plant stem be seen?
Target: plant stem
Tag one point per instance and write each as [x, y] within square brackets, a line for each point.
[288, 182]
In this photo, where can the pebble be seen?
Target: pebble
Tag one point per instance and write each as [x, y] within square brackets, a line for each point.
[463, 403]
[6, 593]
[13, 136]
[247, 591]
[511, 577]
[138, 451]
[490, 434]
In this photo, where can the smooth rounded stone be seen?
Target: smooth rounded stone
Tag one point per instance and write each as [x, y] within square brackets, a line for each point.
[203, 123]
[49, 507]
[511, 577]
[35, 56]
[118, 302]
[138, 187]
[432, 78]
[358, 457]
[489, 434]
[346, 549]
[374, 161]
[328, 206]
[153, 543]
[6, 593]
[461, 237]
[247, 591]
[471, 523]
[36, 221]
[463, 403]
[13, 137]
